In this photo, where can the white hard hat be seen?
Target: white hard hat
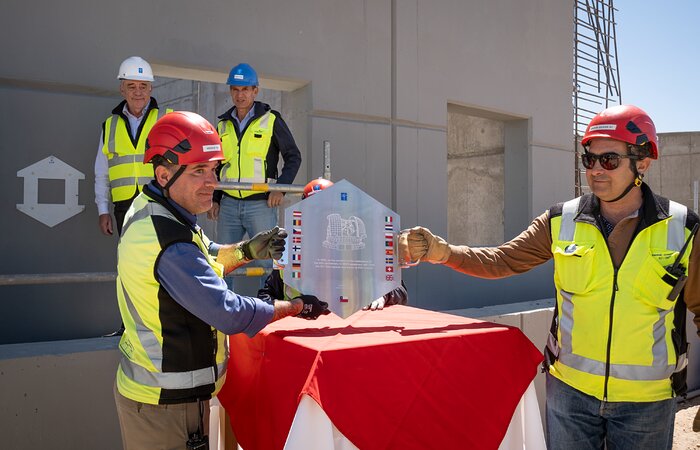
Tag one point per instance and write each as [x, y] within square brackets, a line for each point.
[135, 68]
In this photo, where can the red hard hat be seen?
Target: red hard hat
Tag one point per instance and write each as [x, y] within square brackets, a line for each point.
[316, 185]
[183, 138]
[624, 123]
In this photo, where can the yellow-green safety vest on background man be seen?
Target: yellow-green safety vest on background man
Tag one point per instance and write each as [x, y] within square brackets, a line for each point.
[624, 313]
[177, 360]
[127, 172]
[246, 160]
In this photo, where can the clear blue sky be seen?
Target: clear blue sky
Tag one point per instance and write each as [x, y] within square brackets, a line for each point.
[658, 45]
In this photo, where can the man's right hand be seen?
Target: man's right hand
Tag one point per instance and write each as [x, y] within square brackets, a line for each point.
[105, 223]
[419, 244]
[265, 245]
[213, 213]
[313, 307]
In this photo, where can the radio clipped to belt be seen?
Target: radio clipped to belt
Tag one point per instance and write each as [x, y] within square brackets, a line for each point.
[676, 276]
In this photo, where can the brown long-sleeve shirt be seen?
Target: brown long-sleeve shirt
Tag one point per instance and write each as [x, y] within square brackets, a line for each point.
[533, 247]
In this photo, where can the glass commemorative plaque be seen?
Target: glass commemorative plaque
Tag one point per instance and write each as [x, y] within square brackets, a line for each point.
[341, 248]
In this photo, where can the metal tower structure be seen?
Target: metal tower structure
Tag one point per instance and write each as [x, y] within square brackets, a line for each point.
[596, 83]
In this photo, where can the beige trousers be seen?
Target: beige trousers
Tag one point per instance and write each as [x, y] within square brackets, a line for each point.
[158, 427]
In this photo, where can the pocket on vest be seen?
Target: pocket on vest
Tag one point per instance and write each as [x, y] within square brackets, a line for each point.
[574, 266]
[649, 285]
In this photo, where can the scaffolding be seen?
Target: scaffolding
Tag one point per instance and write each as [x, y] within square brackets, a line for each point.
[596, 80]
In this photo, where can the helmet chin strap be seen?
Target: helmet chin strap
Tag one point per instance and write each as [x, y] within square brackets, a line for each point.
[635, 183]
[170, 182]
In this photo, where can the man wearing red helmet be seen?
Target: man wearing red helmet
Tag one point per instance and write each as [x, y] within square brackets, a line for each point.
[625, 267]
[174, 303]
[275, 288]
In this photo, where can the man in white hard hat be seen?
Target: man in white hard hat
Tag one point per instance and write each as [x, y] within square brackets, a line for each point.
[119, 169]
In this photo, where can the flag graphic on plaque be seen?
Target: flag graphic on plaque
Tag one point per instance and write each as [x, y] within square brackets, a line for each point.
[347, 256]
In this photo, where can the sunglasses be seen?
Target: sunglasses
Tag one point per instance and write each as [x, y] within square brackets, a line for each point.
[608, 161]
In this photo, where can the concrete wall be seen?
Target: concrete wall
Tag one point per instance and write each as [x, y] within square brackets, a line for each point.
[678, 166]
[59, 395]
[374, 78]
[475, 179]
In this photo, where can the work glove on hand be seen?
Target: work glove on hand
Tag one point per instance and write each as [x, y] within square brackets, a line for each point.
[265, 245]
[419, 244]
[313, 307]
[377, 304]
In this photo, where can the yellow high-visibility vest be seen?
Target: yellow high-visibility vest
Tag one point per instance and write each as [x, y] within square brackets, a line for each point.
[614, 329]
[127, 172]
[172, 361]
[245, 161]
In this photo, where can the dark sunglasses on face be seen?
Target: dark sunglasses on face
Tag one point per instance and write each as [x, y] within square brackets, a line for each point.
[608, 161]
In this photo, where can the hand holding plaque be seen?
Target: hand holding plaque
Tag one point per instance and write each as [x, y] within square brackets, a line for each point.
[265, 245]
[313, 307]
[419, 244]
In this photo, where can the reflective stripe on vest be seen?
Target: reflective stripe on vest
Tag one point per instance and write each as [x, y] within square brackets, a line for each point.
[127, 172]
[166, 380]
[141, 375]
[639, 275]
[246, 160]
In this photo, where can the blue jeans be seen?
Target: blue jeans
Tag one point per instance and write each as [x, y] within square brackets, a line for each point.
[579, 421]
[238, 217]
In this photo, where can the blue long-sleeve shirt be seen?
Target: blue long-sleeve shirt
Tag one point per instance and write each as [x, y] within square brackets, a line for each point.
[187, 276]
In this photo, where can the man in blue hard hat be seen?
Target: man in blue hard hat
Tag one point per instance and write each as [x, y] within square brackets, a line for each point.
[253, 136]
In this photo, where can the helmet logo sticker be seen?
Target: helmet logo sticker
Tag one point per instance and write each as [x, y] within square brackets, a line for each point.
[603, 126]
[238, 76]
[211, 148]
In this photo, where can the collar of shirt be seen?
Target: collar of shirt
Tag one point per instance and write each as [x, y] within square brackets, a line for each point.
[191, 218]
[609, 227]
[246, 119]
[134, 121]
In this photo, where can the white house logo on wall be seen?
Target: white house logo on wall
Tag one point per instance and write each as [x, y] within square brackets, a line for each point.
[50, 168]
[341, 248]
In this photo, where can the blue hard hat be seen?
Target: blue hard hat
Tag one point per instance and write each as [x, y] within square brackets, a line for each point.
[242, 75]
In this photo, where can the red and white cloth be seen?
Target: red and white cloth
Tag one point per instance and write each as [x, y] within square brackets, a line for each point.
[398, 378]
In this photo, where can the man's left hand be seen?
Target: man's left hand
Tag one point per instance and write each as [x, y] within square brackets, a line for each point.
[275, 199]
[265, 245]
[313, 307]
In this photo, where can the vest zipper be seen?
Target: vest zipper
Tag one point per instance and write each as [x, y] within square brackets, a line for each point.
[610, 329]
[240, 194]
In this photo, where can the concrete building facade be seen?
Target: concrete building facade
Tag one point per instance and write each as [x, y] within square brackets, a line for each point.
[387, 83]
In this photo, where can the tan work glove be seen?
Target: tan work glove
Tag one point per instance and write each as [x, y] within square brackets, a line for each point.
[419, 244]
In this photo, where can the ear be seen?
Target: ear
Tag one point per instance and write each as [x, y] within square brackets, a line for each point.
[162, 175]
[643, 165]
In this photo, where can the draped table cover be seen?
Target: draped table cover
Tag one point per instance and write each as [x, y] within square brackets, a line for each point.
[402, 378]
